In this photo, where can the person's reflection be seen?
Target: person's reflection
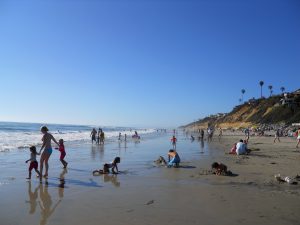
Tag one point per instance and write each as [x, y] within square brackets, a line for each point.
[45, 204]
[32, 198]
[93, 152]
[61, 186]
[111, 178]
[202, 145]
[101, 149]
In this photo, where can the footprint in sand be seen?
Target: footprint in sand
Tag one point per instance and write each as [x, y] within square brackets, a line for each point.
[150, 202]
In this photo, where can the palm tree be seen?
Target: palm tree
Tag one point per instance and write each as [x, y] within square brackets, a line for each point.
[243, 92]
[261, 83]
[282, 89]
[270, 88]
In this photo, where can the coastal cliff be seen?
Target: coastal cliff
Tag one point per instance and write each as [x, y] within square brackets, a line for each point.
[280, 109]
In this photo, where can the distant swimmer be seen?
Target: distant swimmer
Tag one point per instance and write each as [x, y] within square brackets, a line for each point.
[120, 136]
[136, 135]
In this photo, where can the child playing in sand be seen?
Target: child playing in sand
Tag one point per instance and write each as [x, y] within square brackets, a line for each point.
[62, 150]
[220, 169]
[173, 158]
[113, 165]
[33, 162]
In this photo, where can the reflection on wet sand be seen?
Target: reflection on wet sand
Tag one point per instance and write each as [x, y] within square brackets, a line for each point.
[95, 150]
[45, 201]
[202, 145]
[32, 198]
[61, 186]
[111, 178]
[46, 204]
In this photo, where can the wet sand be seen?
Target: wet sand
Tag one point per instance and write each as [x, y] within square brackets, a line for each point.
[146, 194]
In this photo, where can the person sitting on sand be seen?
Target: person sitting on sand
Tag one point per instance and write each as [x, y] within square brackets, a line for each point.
[113, 165]
[241, 148]
[220, 169]
[173, 158]
[233, 149]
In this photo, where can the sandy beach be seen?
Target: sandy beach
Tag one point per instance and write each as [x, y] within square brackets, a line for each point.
[144, 193]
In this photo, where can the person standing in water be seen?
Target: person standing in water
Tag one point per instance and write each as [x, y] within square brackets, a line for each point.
[47, 138]
[93, 135]
[174, 141]
[102, 138]
[98, 136]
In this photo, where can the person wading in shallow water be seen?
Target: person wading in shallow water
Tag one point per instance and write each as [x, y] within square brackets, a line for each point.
[47, 138]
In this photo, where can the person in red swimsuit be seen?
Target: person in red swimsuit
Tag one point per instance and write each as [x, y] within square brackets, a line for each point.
[174, 140]
[62, 152]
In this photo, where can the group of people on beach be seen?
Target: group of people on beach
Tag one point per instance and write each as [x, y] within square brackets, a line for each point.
[45, 155]
[97, 137]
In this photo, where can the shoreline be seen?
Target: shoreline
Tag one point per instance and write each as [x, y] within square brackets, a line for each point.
[146, 194]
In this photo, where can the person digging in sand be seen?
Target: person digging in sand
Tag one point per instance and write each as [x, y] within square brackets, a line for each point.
[220, 169]
[113, 165]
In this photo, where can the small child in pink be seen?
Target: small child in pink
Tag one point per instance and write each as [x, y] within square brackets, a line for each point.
[62, 152]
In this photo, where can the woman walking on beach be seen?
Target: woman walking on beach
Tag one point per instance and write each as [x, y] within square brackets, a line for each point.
[47, 138]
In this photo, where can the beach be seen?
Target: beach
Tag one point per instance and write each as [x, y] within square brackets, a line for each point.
[144, 193]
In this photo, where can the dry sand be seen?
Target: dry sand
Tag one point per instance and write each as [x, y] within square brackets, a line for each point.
[160, 195]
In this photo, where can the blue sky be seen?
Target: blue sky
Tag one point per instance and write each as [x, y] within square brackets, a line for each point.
[142, 63]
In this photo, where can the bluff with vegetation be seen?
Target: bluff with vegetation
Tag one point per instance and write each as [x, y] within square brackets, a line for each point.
[273, 110]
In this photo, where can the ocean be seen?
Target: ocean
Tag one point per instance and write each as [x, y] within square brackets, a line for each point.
[22, 135]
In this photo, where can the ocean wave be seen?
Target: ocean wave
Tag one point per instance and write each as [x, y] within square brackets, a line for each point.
[22, 140]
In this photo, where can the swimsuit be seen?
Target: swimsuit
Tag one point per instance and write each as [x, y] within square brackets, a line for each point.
[49, 150]
[33, 165]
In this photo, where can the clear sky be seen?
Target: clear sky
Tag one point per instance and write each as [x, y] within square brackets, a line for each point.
[142, 63]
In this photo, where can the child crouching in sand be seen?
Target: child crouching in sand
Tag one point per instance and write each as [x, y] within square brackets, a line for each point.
[173, 158]
[220, 169]
[113, 165]
[33, 162]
